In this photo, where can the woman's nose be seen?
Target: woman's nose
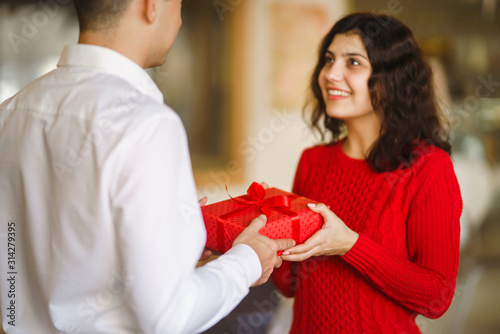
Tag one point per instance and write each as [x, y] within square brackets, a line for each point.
[335, 72]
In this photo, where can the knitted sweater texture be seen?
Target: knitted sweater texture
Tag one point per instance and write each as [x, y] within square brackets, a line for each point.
[405, 261]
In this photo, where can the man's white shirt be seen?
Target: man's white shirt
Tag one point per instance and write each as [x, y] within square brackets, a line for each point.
[100, 225]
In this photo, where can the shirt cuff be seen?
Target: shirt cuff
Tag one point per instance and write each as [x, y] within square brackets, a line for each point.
[364, 254]
[249, 261]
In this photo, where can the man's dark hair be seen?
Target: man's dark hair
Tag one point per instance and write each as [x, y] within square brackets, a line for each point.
[97, 15]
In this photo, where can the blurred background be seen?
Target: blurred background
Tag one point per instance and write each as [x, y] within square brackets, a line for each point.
[238, 77]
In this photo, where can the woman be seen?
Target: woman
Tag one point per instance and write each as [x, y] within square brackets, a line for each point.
[389, 247]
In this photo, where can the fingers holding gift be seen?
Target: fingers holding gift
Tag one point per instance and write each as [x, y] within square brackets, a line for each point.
[324, 211]
[334, 238]
[206, 254]
[203, 201]
[257, 224]
[265, 247]
[278, 262]
[314, 246]
[264, 278]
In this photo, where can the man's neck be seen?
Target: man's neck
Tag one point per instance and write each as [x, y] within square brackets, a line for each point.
[112, 40]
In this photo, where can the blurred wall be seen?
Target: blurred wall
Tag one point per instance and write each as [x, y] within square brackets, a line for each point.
[282, 39]
[32, 37]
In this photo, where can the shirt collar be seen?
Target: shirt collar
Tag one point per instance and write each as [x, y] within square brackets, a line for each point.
[109, 61]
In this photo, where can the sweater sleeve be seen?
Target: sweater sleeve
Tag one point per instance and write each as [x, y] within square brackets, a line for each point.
[425, 281]
[283, 278]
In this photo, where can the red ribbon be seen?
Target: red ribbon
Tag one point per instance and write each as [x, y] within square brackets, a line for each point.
[255, 198]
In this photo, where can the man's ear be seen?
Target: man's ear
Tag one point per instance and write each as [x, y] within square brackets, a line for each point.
[150, 11]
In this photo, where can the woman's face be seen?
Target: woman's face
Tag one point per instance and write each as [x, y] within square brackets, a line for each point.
[344, 78]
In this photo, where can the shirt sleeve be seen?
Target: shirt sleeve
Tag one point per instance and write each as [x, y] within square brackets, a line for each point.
[161, 235]
[425, 281]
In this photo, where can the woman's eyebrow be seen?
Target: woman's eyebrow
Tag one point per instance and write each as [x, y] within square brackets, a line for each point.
[354, 54]
[348, 54]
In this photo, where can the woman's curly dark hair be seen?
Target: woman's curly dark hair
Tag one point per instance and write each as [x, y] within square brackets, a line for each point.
[401, 91]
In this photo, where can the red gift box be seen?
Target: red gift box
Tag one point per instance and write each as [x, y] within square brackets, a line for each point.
[287, 214]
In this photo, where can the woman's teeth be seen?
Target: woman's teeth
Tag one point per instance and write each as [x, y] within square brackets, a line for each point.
[335, 92]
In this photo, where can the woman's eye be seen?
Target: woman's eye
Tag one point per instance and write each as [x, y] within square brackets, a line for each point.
[328, 60]
[354, 62]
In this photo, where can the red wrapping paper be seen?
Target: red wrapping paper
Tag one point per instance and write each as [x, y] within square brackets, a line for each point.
[288, 217]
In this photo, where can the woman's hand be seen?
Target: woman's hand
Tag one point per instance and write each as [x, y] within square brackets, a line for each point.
[334, 238]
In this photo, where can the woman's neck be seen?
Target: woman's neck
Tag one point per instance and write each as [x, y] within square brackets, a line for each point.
[362, 133]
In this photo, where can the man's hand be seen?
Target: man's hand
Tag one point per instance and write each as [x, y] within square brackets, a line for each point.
[207, 252]
[265, 247]
[203, 201]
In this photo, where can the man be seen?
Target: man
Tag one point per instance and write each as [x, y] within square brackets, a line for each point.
[98, 201]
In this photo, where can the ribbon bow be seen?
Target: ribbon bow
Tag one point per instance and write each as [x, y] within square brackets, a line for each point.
[255, 195]
[255, 198]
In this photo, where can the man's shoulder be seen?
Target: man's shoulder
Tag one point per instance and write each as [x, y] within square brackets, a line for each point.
[93, 99]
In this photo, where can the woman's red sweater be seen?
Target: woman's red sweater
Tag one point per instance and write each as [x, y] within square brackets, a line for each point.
[405, 261]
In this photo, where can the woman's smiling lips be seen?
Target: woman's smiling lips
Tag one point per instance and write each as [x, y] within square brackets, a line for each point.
[337, 94]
